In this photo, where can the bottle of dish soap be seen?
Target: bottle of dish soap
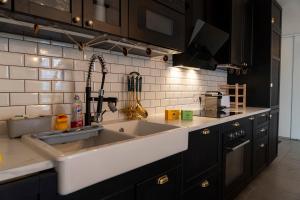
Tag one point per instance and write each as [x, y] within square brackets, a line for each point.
[77, 117]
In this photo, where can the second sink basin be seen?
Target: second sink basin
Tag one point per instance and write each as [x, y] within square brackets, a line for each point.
[139, 128]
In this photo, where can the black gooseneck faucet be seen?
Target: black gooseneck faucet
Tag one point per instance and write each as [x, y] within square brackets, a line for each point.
[112, 101]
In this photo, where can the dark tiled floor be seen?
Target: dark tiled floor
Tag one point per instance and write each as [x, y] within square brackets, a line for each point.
[281, 180]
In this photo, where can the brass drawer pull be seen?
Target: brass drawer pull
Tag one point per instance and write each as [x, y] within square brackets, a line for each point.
[236, 124]
[206, 131]
[262, 130]
[162, 180]
[263, 115]
[262, 145]
[251, 118]
[76, 19]
[205, 184]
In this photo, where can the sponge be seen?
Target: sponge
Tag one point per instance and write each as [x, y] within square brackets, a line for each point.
[1, 157]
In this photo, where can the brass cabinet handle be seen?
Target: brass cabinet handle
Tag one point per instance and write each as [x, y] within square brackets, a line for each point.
[262, 145]
[162, 180]
[271, 116]
[262, 130]
[76, 19]
[205, 184]
[251, 118]
[263, 115]
[89, 23]
[273, 20]
[206, 131]
[3, 1]
[236, 124]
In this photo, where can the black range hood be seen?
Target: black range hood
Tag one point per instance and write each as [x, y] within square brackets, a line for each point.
[205, 42]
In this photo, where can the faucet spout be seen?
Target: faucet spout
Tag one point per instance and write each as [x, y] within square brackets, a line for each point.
[112, 101]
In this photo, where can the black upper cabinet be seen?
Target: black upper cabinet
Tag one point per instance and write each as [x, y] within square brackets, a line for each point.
[109, 16]
[154, 23]
[5, 4]
[241, 33]
[203, 153]
[263, 76]
[60, 10]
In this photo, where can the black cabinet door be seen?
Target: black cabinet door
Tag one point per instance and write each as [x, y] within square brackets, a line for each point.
[273, 135]
[207, 187]
[241, 32]
[156, 24]
[23, 189]
[162, 187]
[5, 4]
[260, 154]
[275, 82]
[203, 153]
[67, 11]
[109, 16]
[276, 16]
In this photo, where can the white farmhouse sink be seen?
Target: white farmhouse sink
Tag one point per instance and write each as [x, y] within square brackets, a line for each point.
[85, 162]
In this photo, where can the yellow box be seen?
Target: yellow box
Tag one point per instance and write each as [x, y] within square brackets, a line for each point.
[172, 114]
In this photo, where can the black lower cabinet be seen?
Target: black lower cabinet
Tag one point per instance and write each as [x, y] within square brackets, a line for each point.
[162, 187]
[273, 135]
[203, 154]
[23, 189]
[206, 187]
[260, 154]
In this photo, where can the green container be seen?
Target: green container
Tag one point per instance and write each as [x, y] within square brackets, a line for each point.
[187, 115]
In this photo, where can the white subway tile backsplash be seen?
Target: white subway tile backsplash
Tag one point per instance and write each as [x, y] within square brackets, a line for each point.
[4, 71]
[20, 99]
[4, 99]
[8, 58]
[37, 61]
[23, 73]
[124, 60]
[51, 98]
[72, 53]
[38, 110]
[62, 70]
[9, 112]
[37, 86]
[117, 69]
[3, 44]
[62, 109]
[73, 75]
[63, 86]
[82, 65]
[51, 74]
[11, 85]
[62, 63]
[110, 58]
[20, 46]
[49, 50]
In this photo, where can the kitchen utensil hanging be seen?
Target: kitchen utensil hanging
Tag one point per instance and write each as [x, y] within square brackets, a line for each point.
[134, 109]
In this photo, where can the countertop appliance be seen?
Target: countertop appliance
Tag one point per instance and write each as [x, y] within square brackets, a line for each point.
[236, 157]
[205, 42]
[216, 105]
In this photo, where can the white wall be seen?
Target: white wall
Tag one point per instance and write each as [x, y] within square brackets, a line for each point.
[289, 124]
[286, 86]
